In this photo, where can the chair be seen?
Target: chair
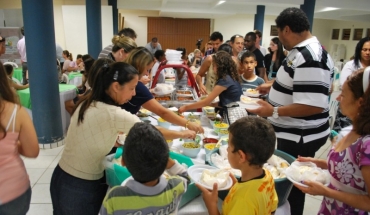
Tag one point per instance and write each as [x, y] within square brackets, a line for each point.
[11, 63]
[333, 108]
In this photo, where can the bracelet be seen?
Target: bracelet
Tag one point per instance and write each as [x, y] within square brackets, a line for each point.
[186, 124]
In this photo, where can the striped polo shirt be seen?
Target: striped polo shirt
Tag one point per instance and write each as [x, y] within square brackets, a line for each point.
[304, 78]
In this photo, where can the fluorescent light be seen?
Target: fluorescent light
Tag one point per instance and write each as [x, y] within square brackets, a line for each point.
[220, 2]
[329, 9]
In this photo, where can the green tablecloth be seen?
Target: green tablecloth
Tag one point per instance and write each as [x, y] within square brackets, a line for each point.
[18, 74]
[25, 99]
[72, 75]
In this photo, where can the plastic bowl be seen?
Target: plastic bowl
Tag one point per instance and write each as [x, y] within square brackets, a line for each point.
[223, 133]
[217, 127]
[210, 147]
[190, 152]
[170, 143]
[164, 124]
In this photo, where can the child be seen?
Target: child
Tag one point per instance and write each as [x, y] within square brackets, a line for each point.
[249, 79]
[197, 59]
[251, 144]
[160, 56]
[9, 71]
[227, 86]
[146, 156]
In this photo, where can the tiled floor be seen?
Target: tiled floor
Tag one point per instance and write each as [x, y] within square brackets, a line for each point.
[41, 169]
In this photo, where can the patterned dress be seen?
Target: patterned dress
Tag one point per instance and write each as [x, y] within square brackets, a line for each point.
[346, 176]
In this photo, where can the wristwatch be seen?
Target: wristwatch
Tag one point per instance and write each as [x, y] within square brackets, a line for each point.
[275, 114]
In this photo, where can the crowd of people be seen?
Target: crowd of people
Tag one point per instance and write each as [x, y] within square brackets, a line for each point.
[296, 74]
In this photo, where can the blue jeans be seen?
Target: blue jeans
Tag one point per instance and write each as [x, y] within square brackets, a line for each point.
[75, 196]
[18, 206]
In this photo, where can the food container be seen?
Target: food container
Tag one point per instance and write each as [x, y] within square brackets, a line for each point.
[170, 143]
[163, 123]
[218, 126]
[190, 148]
[116, 174]
[223, 132]
[210, 147]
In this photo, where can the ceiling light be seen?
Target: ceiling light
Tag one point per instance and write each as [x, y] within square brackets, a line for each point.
[329, 9]
[220, 2]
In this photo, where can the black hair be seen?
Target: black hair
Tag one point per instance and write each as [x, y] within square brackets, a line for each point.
[232, 39]
[279, 52]
[102, 74]
[246, 54]
[255, 137]
[158, 54]
[252, 35]
[154, 39]
[357, 57]
[128, 32]
[146, 152]
[216, 35]
[225, 66]
[88, 62]
[22, 30]
[225, 47]
[8, 68]
[85, 57]
[295, 18]
[258, 33]
[79, 56]
[183, 52]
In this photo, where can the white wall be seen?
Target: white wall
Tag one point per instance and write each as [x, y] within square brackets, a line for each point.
[74, 19]
[350, 44]
[138, 20]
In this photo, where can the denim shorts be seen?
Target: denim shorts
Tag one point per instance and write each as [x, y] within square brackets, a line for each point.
[75, 196]
[18, 206]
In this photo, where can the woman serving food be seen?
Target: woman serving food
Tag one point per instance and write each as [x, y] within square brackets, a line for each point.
[227, 86]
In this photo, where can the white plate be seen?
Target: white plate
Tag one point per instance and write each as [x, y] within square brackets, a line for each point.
[195, 172]
[251, 106]
[299, 183]
[255, 95]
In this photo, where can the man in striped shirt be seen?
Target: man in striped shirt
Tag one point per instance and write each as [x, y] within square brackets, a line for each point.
[128, 32]
[298, 98]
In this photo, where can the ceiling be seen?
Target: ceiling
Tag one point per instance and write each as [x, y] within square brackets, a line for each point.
[349, 10]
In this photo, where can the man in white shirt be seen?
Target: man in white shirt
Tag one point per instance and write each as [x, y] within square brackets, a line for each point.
[21, 46]
[258, 42]
[154, 45]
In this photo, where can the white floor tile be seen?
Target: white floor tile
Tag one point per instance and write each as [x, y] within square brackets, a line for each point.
[55, 151]
[46, 177]
[35, 175]
[311, 206]
[55, 162]
[42, 161]
[40, 209]
[41, 193]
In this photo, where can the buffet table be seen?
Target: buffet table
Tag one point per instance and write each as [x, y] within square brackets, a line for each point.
[66, 92]
[17, 73]
[75, 78]
[197, 206]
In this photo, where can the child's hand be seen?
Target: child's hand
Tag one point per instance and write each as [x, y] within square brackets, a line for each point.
[210, 197]
[305, 159]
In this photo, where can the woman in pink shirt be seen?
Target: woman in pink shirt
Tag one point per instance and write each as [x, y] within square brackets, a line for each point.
[17, 137]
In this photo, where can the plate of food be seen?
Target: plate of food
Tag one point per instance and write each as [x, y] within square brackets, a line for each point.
[206, 176]
[306, 171]
[252, 93]
[248, 102]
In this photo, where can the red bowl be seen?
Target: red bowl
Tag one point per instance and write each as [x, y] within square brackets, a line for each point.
[210, 140]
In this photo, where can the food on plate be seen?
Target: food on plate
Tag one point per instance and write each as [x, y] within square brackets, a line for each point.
[307, 171]
[223, 131]
[247, 100]
[252, 91]
[190, 145]
[216, 176]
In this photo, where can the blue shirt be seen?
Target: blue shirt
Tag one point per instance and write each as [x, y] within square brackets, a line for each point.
[232, 93]
[142, 96]
[246, 84]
